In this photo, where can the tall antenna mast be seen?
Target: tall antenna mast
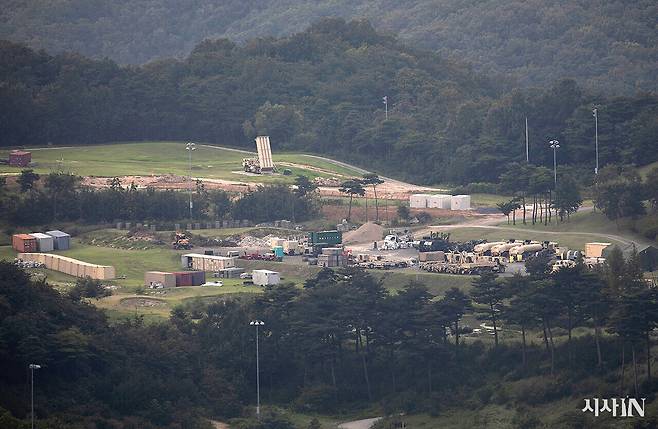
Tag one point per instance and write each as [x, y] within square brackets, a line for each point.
[527, 147]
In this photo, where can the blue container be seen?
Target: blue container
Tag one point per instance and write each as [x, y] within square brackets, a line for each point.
[278, 251]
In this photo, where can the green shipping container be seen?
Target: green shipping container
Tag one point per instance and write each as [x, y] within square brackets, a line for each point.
[330, 238]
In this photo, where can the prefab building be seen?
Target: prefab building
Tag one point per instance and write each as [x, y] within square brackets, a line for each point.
[24, 243]
[265, 277]
[61, 240]
[460, 202]
[418, 201]
[439, 201]
[45, 242]
[196, 261]
[153, 278]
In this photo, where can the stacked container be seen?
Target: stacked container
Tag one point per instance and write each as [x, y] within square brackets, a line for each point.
[190, 278]
[332, 257]
[439, 201]
[460, 202]
[70, 266]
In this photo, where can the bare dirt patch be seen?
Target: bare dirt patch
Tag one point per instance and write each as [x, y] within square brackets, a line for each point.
[142, 303]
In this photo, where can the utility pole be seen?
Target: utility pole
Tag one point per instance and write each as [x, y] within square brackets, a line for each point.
[527, 146]
[555, 145]
[257, 323]
[595, 112]
[32, 368]
[385, 98]
[190, 147]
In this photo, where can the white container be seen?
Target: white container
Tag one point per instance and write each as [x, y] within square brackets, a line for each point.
[460, 202]
[439, 201]
[418, 201]
[45, 242]
[265, 277]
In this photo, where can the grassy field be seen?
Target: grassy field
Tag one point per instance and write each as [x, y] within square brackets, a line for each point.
[156, 158]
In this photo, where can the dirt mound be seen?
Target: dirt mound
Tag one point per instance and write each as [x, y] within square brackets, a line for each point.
[368, 232]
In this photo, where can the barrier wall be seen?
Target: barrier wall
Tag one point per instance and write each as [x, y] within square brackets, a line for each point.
[70, 266]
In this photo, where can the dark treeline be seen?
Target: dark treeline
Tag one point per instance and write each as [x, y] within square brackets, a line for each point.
[60, 197]
[321, 91]
[611, 46]
[341, 342]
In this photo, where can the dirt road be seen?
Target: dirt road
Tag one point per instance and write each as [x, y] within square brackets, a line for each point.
[359, 424]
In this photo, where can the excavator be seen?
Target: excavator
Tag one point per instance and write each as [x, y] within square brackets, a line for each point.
[181, 241]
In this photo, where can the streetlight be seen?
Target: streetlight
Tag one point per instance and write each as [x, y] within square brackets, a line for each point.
[385, 101]
[257, 323]
[595, 112]
[190, 147]
[555, 145]
[32, 368]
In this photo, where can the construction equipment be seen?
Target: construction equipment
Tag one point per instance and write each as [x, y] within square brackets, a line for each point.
[181, 241]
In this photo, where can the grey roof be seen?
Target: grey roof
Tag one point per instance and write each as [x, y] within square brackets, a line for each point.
[57, 233]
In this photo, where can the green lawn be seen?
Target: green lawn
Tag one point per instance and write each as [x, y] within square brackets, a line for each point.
[147, 158]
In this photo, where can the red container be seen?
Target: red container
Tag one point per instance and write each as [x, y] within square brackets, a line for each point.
[19, 158]
[24, 243]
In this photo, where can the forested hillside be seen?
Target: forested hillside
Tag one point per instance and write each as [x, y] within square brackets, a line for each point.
[321, 91]
[608, 45]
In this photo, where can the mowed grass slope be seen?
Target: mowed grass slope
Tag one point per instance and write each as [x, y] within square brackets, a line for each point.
[158, 158]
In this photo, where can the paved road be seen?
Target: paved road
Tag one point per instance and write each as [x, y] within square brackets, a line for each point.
[359, 424]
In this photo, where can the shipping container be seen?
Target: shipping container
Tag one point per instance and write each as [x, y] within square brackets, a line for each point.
[153, 278]
[61, 240]
[45, 242]
[460, 202]
[24, 243]
[265, 277]
[19, 158]
[418, 201]
[278, 251]
[329, 238]
[183, 278]
[439, 201]
[291, 247]
[431, 256]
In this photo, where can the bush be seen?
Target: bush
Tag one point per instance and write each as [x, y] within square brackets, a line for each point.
[477, 188]
[317, 399]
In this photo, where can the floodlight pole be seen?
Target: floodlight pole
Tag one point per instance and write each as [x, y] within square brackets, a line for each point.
[595, 112]
[257, 323]
[32, 367]
[527, 146]
[190, 147]
[555, 145]
[385, 98]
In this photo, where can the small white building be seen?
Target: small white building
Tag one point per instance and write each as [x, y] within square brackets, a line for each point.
[45, 242]
[439, 201]
[460, 202]
[418, 201]
[265, 277]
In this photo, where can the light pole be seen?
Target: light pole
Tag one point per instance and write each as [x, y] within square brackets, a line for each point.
[257, 323]
[555, 145]
[595, 112]
[190, 147]
[385, 98]
[32, 368]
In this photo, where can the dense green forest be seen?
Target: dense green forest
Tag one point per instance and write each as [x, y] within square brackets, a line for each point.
[321, 91]
[340, 343]
[56, 197]
[609, 45]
